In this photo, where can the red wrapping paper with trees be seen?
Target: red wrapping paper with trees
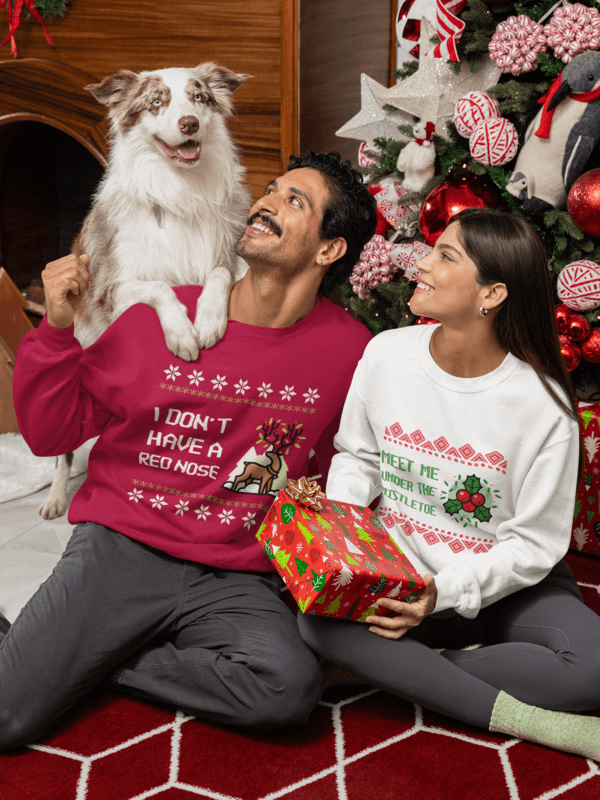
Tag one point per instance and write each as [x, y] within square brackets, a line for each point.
[585, 535]
[336, 560]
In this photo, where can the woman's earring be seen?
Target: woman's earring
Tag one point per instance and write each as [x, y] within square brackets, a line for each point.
[483, 312]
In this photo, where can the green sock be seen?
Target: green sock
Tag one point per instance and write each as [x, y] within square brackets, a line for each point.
[569, 732]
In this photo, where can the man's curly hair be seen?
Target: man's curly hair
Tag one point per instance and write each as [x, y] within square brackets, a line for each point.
[349, 214]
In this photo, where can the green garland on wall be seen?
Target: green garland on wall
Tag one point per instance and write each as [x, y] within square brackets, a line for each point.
[52, 8]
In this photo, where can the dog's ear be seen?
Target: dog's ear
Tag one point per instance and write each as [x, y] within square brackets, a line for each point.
[221, 82]
[111, 89]
[223, 78]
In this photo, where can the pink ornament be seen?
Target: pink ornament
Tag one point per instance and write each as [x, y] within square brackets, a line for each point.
[494, 141]
[573, 29]
[516, 43]
[472, 109]
[380, 260]
[578, 285]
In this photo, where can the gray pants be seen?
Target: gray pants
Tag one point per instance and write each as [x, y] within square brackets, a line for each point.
[543, 649]
[217, 644]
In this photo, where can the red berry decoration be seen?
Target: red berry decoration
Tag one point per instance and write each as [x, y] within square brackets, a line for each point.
[590, 348]
[570, 351]
[469, 506]
[562, 314]
[463, 496]
[477, 499]
[577, 328]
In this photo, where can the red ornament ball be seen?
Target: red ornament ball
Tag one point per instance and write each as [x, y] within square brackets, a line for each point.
[577, 328]
[570, 351]
[583, 203]
[590, 348]
[562, 314]
[426, 321]
[458, 192]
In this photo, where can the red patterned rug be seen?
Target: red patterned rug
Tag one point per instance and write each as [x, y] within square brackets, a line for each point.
[360, 745]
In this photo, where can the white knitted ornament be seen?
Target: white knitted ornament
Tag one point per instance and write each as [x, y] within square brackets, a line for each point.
[573, 29]
[494, 142]
[516, 43]
[472, 109]
[578, 285]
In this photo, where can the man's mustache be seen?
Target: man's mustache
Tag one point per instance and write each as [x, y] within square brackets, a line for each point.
[270, 223]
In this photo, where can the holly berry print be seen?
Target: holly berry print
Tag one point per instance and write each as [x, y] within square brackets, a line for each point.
[470, 501]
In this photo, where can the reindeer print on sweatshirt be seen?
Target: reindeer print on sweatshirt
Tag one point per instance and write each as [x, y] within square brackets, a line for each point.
[190, 454]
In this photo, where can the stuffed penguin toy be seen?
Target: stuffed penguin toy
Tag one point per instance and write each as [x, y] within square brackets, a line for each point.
[560, 140]
[417, 159]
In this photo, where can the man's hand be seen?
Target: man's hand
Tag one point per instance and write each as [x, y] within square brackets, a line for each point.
[65, 282]
[409, 615]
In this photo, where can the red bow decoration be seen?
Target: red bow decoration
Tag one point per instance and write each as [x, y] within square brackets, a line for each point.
[14, 20]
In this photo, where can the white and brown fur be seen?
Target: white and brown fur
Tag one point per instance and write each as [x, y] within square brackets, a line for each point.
[160, 220]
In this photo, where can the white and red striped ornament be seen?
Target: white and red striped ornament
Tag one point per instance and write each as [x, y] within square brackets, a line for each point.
[516, 44]
[472, 109]
[578, 285]
[389, 200]
[380, 260]
[573, 29]
[365, 160]
[494, 142]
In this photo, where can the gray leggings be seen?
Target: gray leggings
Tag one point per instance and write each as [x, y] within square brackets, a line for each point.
[218, 644]
[543, 648]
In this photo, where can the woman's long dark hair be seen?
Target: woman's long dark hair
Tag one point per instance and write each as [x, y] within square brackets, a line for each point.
[505, 249]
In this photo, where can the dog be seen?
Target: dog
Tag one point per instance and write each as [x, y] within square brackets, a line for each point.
[168, 211]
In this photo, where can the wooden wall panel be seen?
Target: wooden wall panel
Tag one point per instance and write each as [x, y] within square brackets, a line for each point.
[99, 37]
[338, 41]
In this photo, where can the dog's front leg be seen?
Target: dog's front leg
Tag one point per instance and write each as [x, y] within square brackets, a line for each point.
[179, 332]
[213, 307]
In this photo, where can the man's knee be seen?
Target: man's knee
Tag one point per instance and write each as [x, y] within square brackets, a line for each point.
[287, 697]
[16, 730]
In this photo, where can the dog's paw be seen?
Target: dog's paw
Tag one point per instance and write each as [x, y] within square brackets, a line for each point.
[210, 328]
[53, 506]
[181, 341]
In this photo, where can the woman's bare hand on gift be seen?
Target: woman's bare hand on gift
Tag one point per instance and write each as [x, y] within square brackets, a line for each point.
[408, 615]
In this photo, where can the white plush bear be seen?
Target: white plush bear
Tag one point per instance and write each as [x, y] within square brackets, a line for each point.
[417, 158]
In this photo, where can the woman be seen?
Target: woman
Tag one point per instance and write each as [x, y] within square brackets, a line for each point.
[468, 433]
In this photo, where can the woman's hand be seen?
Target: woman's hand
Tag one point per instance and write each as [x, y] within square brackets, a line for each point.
[409, 615]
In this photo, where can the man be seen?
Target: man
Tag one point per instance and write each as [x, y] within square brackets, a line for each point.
[163, 585]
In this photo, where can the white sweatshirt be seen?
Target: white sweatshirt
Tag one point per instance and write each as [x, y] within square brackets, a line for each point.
[476, 476]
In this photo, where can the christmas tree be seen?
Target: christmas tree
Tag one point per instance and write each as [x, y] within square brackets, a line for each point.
[481, 86]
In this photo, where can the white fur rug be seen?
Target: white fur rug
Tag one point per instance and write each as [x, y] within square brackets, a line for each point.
[22, 473]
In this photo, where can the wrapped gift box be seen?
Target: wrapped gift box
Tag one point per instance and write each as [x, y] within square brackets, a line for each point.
[336, 560]
[585, 535]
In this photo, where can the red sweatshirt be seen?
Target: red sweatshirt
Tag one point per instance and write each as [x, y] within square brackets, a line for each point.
[190, 454]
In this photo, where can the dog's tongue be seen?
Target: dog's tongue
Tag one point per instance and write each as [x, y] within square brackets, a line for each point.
[187, 151]
[165, 147]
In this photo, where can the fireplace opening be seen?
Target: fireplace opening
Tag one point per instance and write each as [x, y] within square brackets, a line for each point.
[47, 181]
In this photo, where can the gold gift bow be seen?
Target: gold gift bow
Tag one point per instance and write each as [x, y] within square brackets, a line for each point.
[304, 492]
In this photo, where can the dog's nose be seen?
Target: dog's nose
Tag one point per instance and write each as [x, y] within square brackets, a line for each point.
[188, 125]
